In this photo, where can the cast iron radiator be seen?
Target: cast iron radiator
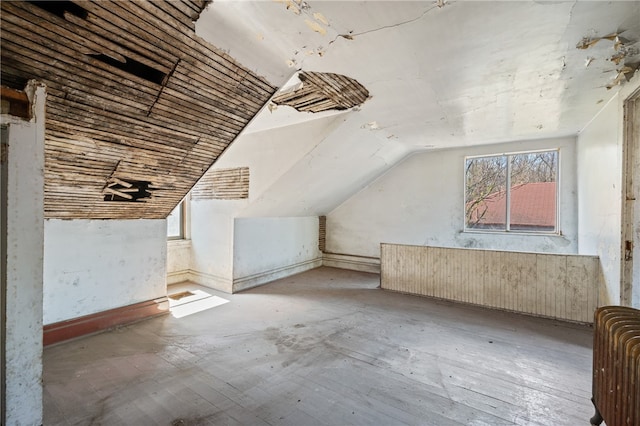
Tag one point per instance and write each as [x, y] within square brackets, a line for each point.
[616, 366]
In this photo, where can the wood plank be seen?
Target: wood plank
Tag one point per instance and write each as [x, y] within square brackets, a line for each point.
[73, 29]
[237, 86]
[550, 285]
[165, 110]
[180, 12]
[62, 80]
[154, 136]
[83, 64]
[123, 31]
[127, 145]
[219, 115]
[228, 101]
[152, 20]
[198, 5]
[174, 130]
[195, 78]
[105, 121]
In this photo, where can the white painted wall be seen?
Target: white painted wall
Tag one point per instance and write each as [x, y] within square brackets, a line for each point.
[24, 241]
[599, 153]
[339, 164]
[266, 249]
[212, 242]
[421, 202]
[599, 195]
[95, 265]
[178, 261]
[179, 250]
[280, 161]
[269, 154]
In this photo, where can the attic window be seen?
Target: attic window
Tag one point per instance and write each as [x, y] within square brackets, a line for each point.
[177, 221]
[121, 190]
[512, 192]
[322, 91]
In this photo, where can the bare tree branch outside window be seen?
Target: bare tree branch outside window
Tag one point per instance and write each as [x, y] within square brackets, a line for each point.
[530, 198]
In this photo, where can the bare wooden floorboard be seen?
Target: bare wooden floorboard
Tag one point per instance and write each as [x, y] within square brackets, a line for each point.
[325, 347]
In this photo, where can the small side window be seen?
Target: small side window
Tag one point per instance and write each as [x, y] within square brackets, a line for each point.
[175, 222]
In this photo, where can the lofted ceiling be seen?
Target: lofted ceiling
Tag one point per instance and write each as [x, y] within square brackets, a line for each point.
[138, 106]
[439, 74]
[143, 97]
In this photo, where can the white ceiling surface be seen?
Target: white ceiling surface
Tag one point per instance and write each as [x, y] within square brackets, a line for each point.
[463, 74]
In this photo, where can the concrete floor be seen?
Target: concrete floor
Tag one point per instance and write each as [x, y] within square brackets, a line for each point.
[323, 347]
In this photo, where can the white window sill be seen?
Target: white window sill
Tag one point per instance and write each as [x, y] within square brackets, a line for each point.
[501, 232]
[179, 242]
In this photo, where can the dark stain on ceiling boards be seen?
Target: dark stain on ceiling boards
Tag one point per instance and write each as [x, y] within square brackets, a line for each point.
[322, 91]
[133, 94]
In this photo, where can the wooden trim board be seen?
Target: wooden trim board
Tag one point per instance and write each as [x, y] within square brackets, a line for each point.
[100, 321]
[17, 102]
[352, 262]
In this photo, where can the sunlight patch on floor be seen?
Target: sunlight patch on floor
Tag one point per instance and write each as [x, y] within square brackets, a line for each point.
[194, 302]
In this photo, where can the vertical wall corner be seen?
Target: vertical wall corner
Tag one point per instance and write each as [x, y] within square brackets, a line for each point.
[21, 260]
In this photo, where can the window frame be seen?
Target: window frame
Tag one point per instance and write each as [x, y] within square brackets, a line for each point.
[184, 221]
[557, 230]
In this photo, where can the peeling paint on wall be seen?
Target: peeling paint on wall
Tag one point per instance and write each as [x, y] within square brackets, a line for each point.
[316, 21]
[320, 18]
[625, 54]
[624, 74]
[315, 26]
[588, 41]
[373, 125]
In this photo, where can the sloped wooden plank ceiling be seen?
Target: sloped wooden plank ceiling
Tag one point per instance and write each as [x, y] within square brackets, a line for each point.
[137, 103]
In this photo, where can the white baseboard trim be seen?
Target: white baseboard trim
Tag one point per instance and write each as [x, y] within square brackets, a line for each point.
[212, 281]
[342, 261]
[351, 262]
[255, 280]
[178, 277]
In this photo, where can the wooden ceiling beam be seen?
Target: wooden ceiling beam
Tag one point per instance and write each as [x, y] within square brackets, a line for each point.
[15, 102]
